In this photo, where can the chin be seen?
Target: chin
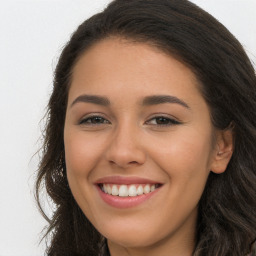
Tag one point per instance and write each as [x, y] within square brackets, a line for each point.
[130, 241]
[132, 238]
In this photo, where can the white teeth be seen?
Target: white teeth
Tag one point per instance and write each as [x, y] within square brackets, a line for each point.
[115, 191]
[140, 190]
[123, 190]
[105, 188]
[132, 190]
[128, 190]
[109, 190]
[146, 189]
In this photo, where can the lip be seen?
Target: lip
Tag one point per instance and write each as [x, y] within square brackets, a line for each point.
[125, 202]
[125, 180]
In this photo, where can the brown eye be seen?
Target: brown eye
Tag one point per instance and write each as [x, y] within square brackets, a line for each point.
[94, 120]
[161, 120]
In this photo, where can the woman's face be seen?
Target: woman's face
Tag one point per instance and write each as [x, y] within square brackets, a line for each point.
[136, 124]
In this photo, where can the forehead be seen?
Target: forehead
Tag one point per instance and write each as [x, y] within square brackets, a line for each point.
[131, 67]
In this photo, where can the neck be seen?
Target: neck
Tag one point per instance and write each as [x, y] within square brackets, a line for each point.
[178, 244]
[117, 250]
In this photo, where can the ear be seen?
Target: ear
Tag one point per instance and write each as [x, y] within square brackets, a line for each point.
[224, 147]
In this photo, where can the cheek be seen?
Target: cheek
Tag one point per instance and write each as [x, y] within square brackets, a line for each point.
[81, 153]
[185, 160]
[189, 151]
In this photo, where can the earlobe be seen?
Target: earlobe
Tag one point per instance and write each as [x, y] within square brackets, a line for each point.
[223, 150]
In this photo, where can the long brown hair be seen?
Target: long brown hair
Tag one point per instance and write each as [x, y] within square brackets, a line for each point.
[227, 219]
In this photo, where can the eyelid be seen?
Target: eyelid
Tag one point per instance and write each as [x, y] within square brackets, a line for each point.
[92, 115]
[173, 120]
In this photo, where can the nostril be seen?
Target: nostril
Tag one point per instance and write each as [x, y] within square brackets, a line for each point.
[123, 164]
[133, 162]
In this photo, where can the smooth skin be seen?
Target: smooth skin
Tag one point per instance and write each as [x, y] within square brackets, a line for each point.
[172, 143]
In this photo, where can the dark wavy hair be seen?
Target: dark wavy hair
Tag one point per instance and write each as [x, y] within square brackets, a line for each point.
[227, 220]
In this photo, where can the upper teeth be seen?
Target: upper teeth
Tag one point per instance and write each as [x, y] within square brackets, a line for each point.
[127, 190]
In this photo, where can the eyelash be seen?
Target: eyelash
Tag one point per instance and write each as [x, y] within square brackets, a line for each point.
[91, 118]
[166, 121]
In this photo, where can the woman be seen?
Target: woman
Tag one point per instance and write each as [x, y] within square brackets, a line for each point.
[150, 140]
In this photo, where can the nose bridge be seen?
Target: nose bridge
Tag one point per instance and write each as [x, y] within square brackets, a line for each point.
[125, 136]
[126, 145]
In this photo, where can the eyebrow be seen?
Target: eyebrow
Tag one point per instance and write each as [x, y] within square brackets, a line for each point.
[147, 101]
[99, 100]
[161, 99]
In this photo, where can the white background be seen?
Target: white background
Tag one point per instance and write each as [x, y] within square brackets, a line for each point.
[32, 34]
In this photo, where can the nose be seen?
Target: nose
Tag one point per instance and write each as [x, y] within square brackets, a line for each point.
[125, 148]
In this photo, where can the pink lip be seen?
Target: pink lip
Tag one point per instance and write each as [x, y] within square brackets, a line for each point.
[125, 202]
[125, 180]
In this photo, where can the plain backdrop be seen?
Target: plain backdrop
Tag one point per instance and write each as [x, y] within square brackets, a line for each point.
[32, 34]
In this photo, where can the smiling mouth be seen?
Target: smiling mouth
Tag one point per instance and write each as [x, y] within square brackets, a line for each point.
[132, 190]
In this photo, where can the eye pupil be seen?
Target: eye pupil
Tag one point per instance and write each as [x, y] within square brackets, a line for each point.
[97, 120]
[162, 120]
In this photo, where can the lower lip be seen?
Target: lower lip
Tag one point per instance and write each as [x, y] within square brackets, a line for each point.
[125, 202]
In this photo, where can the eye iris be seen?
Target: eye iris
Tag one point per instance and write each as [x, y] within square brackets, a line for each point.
[162, 120]
[97, 120]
